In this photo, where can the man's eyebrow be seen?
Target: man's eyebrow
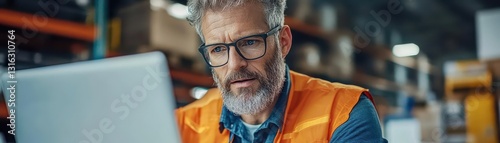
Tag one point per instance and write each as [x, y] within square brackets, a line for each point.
[239, 36]
[251, 34]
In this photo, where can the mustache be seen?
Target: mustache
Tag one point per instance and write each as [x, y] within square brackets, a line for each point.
[243, 73]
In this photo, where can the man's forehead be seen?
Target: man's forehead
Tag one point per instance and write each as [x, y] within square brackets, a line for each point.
[232, 24]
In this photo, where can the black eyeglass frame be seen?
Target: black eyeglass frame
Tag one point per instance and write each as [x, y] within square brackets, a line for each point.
[264, 36]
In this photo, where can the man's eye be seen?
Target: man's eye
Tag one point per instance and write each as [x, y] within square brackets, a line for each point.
[218, 49]
[250, 42]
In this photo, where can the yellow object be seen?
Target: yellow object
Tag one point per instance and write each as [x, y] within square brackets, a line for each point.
[115, 26]
[480, 118]
[480, 113]
[314, 110]
[466, 75]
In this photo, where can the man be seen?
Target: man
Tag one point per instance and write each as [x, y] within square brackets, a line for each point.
[258, 98]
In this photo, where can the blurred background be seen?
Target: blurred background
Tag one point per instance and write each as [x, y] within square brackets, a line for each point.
[433, 66]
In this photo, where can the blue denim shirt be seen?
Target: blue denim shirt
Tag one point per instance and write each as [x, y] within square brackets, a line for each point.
[362, 126]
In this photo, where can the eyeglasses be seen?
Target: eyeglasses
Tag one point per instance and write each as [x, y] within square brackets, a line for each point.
[250, 48]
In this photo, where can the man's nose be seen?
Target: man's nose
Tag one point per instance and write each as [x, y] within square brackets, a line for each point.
[235, 61]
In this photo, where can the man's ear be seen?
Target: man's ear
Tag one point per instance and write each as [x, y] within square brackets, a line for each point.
[285, 38]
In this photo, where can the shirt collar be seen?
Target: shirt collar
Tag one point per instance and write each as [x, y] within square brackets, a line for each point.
[228, 118]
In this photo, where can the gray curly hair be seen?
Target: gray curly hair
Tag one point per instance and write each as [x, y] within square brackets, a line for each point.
[273, 10]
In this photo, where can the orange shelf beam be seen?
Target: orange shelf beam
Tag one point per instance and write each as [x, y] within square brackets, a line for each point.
[53, 26]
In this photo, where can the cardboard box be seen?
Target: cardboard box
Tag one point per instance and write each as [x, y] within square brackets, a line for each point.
[145, 28]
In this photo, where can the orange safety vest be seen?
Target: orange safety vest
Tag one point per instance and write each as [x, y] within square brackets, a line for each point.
[314, 110]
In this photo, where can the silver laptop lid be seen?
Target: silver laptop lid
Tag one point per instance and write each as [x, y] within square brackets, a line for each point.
[126, 99]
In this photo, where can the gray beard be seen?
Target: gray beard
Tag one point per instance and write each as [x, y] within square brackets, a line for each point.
[247, 101]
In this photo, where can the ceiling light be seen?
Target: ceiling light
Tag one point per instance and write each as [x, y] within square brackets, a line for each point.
[178, 10]
[157, 4]
[405, 50]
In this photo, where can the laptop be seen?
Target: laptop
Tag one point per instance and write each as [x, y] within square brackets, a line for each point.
[125, 99]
